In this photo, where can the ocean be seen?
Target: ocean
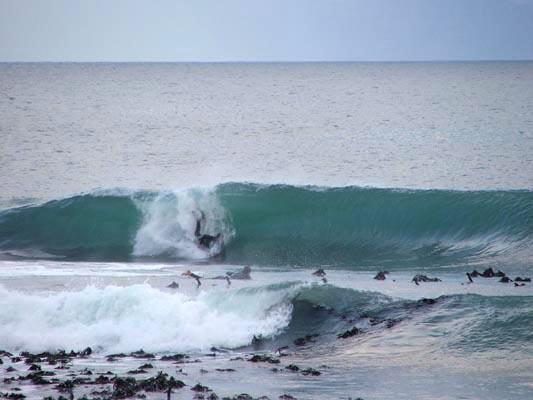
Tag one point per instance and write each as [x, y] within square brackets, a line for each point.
[110, 173]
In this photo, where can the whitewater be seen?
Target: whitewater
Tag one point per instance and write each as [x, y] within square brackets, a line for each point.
[413, 169]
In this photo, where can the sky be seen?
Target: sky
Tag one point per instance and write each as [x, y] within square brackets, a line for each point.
[275, 30]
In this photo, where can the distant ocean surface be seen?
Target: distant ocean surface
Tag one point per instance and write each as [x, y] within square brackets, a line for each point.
[355, 168]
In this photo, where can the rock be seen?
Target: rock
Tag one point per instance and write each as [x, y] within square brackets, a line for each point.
[320, 273]
[519, 284]
[66, 386]
[118, 355]
[301, 341]
[292, 367]
[488, 273]
[160, 383]
[279, 351]
[286, 397]
[499, 274]
[505, 279]
[224, 369]
[37, 378]
[519, 279]
[137, 371]
[175, 357]
[263, 358]
[200, 388]
[173, 285]
[217, 350]
[310, 371]
[102, 380]
[141, 354]
[243, 396]
[12, 396]
[475, 274]
[87, 352]
[424, 278]
[425, 301]
[146, 366]
[349, 333]
[381, 275]
[124, 388]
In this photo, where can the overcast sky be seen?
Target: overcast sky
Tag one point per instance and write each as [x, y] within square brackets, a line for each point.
[275, 30]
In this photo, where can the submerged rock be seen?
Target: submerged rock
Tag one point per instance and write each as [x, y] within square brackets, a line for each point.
[349, 333]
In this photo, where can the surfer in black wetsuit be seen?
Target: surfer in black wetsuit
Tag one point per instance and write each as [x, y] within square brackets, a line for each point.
[204, 240]
[194, 276]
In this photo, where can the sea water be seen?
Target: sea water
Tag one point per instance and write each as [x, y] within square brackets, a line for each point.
[423, 168]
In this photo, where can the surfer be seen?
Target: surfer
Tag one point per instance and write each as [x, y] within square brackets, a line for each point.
[192, 275]
[204, 240]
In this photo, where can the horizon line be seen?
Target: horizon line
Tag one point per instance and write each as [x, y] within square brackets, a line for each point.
[466, 60]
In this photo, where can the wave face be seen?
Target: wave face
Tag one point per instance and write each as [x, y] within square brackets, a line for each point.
[278, 225]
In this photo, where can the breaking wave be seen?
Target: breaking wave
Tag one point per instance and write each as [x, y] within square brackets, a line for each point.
[276, 225]
[124, 319]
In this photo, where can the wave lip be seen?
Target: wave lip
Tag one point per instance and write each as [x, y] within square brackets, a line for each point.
[282, 225]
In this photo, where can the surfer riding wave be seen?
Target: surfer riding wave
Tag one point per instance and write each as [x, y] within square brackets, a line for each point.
[205, 241]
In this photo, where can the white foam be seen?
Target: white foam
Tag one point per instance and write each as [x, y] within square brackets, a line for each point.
[122, 319]
[169, 223]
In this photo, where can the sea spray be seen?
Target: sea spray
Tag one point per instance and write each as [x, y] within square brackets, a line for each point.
[169, 222]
